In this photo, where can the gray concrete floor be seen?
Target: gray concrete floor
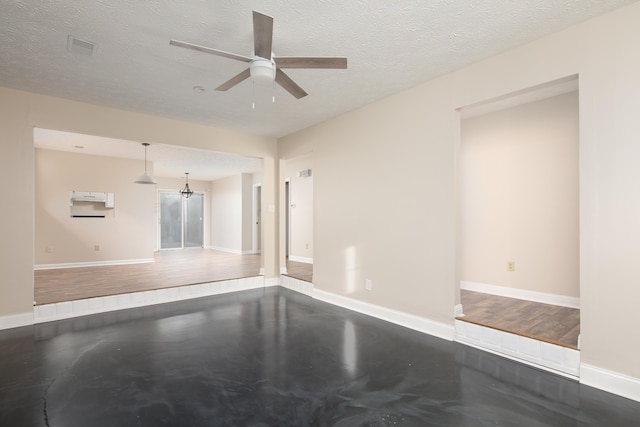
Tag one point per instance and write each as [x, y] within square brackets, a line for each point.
[274, 358]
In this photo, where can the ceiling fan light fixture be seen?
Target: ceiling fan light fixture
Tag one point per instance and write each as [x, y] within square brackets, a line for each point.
[262, 70]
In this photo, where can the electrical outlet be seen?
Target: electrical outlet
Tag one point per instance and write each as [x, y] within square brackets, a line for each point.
[511, 266]
[48, 249]
[368, 285]
[96, 248]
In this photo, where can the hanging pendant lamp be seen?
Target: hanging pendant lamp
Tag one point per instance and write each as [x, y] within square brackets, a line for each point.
[186, 191]
[145, 178]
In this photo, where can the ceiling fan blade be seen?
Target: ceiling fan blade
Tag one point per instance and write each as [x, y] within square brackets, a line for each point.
[234, 80]
[289, 85]
[262, 35]
[310, 62]
[210, 50]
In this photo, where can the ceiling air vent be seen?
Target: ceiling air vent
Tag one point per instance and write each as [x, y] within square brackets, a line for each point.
[81, 47]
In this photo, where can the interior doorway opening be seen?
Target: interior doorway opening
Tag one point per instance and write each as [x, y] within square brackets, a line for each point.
[298, 217]
[518, 230]
[96, 257]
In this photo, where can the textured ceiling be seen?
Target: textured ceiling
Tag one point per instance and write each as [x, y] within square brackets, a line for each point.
[391, 46]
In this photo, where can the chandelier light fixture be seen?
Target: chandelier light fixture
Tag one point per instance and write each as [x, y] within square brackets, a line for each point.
[145, 178]
[186, 191]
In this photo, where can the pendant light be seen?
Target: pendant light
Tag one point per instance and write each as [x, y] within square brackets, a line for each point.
[186, 191]
[145, 178]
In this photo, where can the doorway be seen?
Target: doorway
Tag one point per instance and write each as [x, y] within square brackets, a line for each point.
[518, 261]
[181, 222]
[257, 219]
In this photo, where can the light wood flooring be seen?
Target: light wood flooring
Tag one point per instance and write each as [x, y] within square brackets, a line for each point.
[300, 270]
[544, 322]
[171, 268]
[558, 325]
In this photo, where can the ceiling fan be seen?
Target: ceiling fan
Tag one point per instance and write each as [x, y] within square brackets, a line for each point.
[264, 66]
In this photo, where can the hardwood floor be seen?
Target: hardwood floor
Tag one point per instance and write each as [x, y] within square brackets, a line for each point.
[300, 270]
[544, 322]
[554, 324]
[170, 269]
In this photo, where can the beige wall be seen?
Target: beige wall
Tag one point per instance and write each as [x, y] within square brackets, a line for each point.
[247, 213]
[20, 112]
[231, 213]
[301, 209]
[126, 235]
[385, 184]
[384, 181]
[519, 197]
[384, 201]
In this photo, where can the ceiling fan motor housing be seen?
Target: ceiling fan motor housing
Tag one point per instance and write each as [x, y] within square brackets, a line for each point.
[262, 70]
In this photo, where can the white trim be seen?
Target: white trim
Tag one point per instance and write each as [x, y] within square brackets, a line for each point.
[231, 251]
[458, 311]
[542, 297]
[16, 320]
[613, 382]
[550, 357]
[297, 285]
[83, 307]
[261, 272]
[92, 263]
[283, 270]
[421, 324]
[256, 222]
[301, 259]
[271, 281]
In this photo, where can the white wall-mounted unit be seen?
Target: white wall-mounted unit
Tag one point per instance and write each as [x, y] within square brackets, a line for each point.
[92, 204]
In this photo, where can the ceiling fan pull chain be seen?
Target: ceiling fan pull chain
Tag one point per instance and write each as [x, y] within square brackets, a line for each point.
[253, 95]
[273, 92]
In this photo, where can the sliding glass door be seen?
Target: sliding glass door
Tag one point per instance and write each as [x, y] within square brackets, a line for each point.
[181, 221]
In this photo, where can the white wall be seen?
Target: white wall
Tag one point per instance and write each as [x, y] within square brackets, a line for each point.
[519, 197]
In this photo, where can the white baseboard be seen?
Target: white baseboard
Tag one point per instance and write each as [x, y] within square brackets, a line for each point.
[301, 259]
[84, 307]
[296, 285]
[272, 281]
[550, 357]
[231, 251]
[283, 270]
[542, 297]
[92, 263]
[613, 382]
[421, 324]
[16, 320]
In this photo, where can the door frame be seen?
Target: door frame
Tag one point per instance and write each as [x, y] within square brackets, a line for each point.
[158, 244]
